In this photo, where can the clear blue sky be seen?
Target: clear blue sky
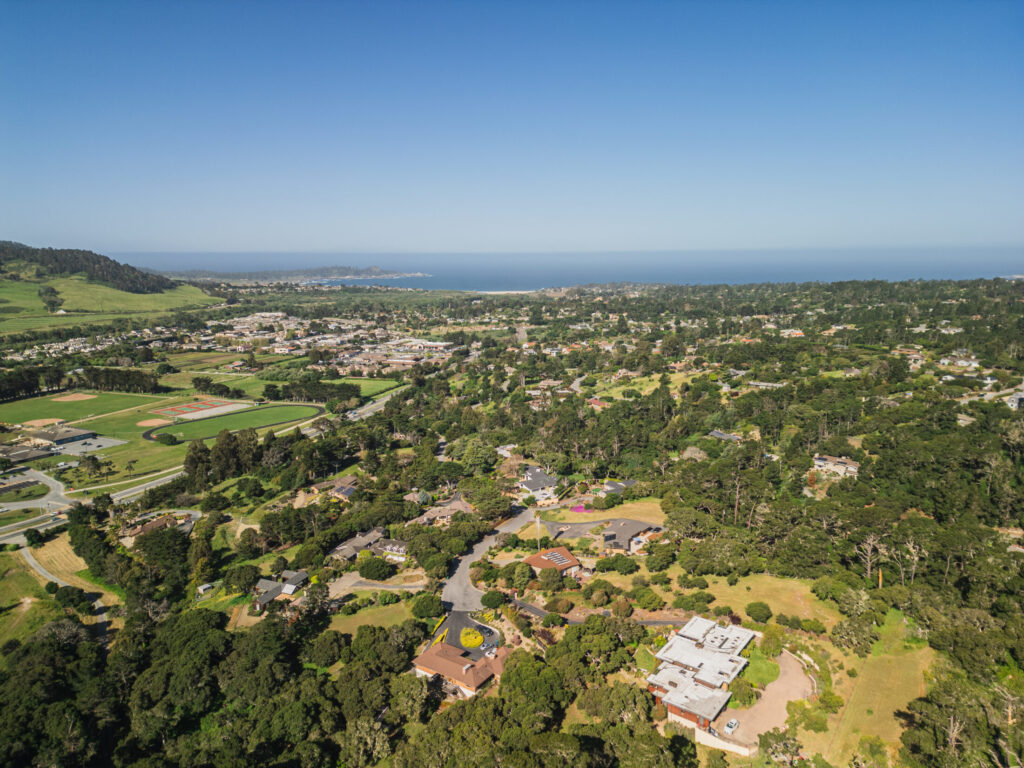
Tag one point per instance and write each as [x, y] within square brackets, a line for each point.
[511, 126]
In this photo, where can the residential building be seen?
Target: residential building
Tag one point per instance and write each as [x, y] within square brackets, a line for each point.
[391, 549]
[629, 536]
[615, 486]
[442, 513]
[538, 483]
[348, 550]
[559, 558]
[697, 664]
[836, 465]
[463, 675]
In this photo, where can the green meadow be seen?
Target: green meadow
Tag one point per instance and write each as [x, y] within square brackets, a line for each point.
[256, 418]
[49, 407]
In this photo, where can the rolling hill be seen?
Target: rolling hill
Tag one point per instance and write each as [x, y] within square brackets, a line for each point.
[46, 287]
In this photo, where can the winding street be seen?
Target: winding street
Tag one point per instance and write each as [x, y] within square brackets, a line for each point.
[55, 499]
[459, 594]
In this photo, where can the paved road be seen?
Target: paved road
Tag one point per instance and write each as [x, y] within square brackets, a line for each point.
[55, 499]
[365, 411]
[138, 490]
[101, 609]
[459, 594]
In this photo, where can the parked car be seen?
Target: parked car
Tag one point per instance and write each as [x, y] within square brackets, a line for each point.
[731, 726]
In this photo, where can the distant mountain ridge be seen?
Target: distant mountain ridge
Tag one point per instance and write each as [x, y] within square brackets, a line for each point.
[63, 262]
[285, 275]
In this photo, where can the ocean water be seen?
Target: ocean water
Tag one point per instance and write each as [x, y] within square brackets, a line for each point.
[533, 271]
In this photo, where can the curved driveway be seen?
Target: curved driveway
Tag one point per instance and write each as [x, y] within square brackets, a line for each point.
[459, 594]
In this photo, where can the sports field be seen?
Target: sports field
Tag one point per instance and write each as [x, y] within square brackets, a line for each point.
[57, 406]
[256, 418]
[367, 387]
[198, 409]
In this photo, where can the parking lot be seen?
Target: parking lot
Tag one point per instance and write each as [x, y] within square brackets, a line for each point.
[82, 447]
[459, 620]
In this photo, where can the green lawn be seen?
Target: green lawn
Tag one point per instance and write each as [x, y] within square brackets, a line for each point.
[380, 616]
[887, 680]
[24, 605]
[257, 418]
[12, 516]
[760, 670]
[31, 493]
[367, 387]
[49, 407]
[645, 659]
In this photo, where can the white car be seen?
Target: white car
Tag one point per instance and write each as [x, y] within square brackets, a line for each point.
[731, 726]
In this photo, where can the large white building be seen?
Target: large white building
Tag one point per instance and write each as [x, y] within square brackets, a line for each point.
[697, 664]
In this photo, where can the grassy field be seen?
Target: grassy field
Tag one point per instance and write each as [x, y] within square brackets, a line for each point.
[49, 407]
[607, 390]
[646, 510]
[25, 494]
[12, 516]
[24, 605]
[792, 597]
[887, 680]
[82, 296]
[367, 387]
[381, 616]
[87, 304]
[57, 557]
[203, 361]
[255, 417]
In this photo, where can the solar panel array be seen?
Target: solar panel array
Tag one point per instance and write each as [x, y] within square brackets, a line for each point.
[557, 558]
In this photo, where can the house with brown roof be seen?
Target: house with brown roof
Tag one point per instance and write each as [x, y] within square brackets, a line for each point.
[559, 558]
[441, 514]
[457, 669]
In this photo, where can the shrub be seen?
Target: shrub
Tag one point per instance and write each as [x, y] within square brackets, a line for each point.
[427, 606]
[376, 569]
[552, 620]
[470, 638]
[759, 611]
[165, 438]
[51, 587]
[493, 599]
[621, 609]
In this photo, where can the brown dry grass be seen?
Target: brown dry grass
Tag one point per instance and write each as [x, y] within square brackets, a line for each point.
[58, 558]
[73, 398]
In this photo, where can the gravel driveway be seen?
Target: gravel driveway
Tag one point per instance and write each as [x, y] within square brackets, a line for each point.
[770, 710]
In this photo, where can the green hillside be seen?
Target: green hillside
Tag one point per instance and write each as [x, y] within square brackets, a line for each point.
[46, 288]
